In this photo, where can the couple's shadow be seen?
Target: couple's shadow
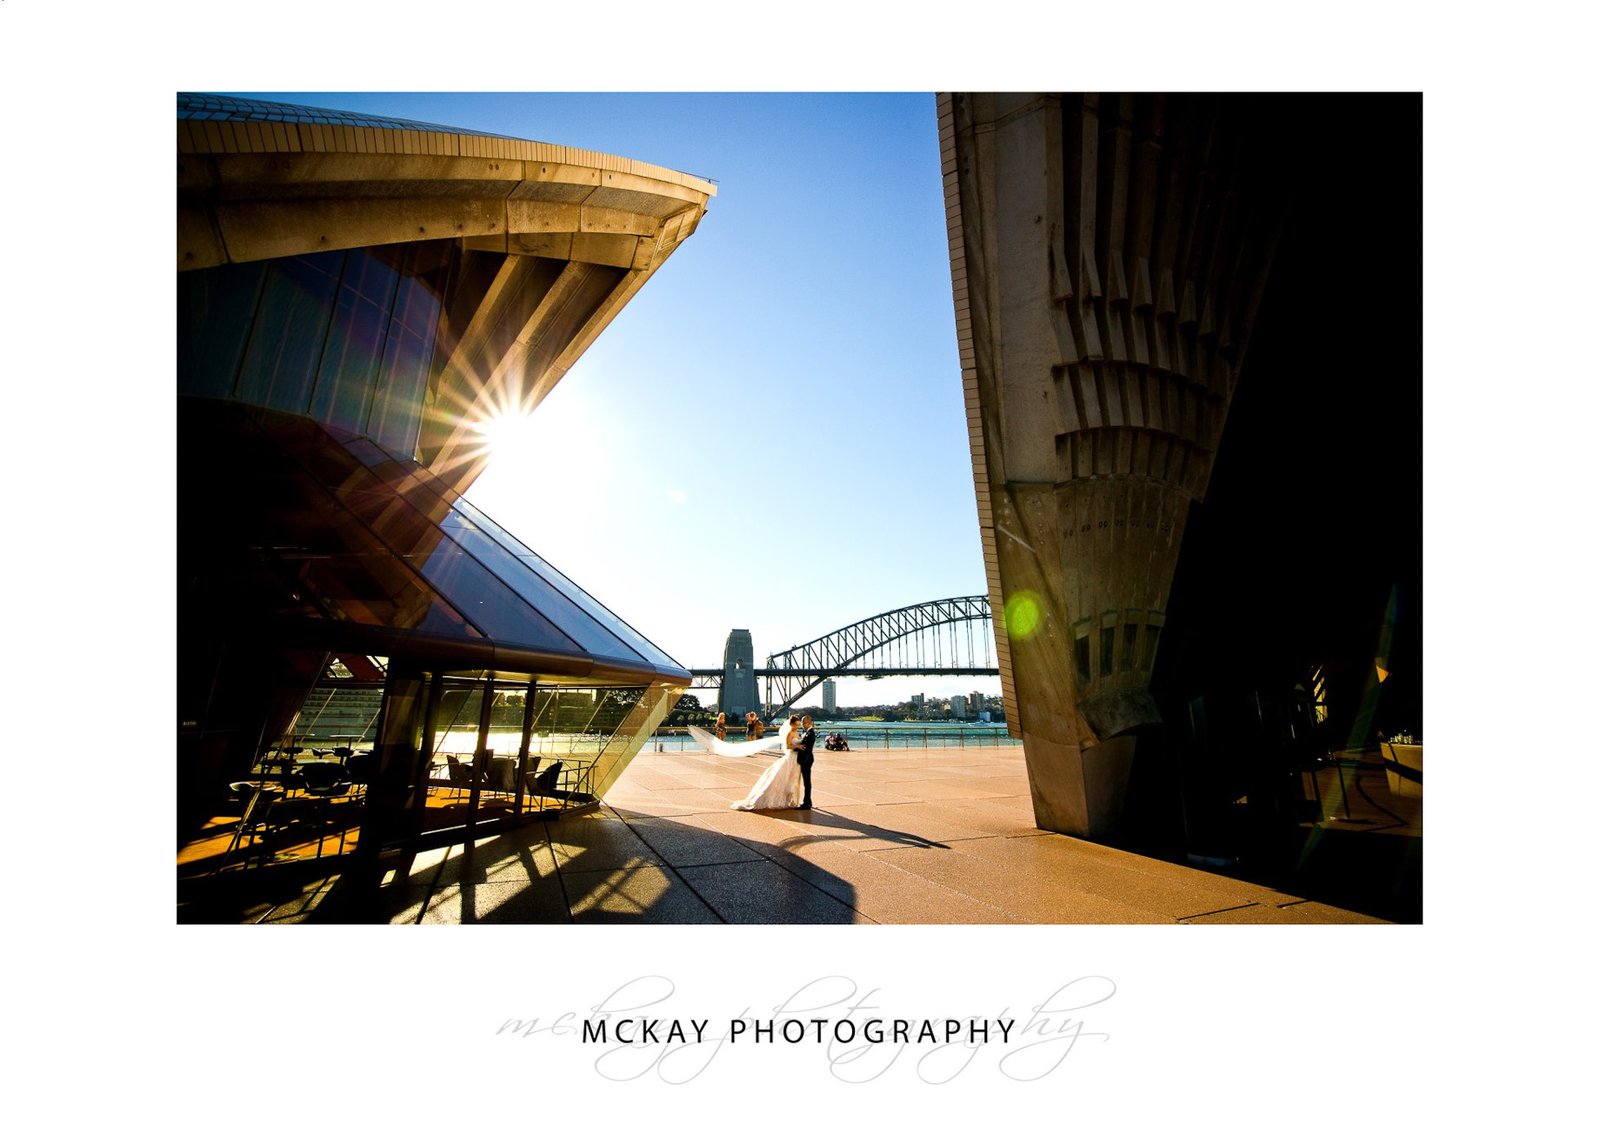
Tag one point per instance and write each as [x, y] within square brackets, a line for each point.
[836, 820]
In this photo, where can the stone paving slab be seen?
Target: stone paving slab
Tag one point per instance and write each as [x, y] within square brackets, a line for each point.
[1040, 896]
[767, 893]
[732, 786]
[1301, 912]
[883, 826]
[638, 807]
[960, 827]
[934, 836]
[523, 855]
[951, 788]
[1141, 883]
[996, 816]
[497, 902]
[587, 844]
[405, 903]
[885, 893]
[760, 833]
[642, 894]
[660, 782]
[699, 800]
[1177, 877]
[301, 910]
[683, 843]
[860, 793]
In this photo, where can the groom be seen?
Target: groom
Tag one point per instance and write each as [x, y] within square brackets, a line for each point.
[803, 755]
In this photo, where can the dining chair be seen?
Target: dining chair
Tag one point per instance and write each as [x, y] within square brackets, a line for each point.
[361, 769]
[544, 784]
[315, 814]
[325, 778]
[255, 805]
[460, 773]
[500, 775]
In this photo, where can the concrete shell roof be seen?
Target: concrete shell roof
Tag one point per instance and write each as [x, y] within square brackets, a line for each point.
[260, 180]
[264, 180]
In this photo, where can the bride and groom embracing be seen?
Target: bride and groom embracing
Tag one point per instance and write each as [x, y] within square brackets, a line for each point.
[786, 784]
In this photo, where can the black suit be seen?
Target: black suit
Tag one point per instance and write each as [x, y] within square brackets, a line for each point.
[803, 755]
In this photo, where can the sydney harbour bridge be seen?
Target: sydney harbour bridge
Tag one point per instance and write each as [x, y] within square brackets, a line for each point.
[946, 636]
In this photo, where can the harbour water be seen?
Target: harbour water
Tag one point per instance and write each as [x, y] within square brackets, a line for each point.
[876, 735]
[860, 735]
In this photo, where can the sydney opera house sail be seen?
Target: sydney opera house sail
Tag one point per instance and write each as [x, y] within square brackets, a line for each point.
[1108, 256]
[357, 296]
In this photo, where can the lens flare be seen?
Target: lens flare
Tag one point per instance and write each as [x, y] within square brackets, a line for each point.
[508, 432]
[1023, 613]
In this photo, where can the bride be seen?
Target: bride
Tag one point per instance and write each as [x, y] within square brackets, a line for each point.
[780, 786]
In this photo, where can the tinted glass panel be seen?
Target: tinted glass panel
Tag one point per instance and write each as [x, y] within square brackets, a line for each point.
[215, 309]
[413, 329]
[565, 613]
[309, 524]
[381, 590]
[487, 602]
[368, 453]
[339, 470]
[643, 646]
[396, 522]
[355, 342]
[313, 525]
[290, 328]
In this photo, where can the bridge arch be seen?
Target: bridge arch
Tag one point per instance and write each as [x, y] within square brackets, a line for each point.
[865, 648]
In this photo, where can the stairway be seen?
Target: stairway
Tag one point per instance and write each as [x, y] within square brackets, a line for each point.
[331, 713]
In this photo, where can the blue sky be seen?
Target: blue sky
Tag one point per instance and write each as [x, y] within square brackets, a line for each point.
[771, 434]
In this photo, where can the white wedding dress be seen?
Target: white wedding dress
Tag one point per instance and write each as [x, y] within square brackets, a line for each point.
[780, 787]
[712, 744]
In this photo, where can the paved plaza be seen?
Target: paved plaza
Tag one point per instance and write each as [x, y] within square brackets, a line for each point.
[898, 836]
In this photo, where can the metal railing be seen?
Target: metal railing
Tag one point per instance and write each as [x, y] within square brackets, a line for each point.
[868, 736]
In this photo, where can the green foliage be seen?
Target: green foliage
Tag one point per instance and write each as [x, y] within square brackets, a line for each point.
[689, 712]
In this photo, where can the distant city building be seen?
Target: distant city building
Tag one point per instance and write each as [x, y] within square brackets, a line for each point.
[737, 694]
[958, 706]
[830, 697]
[975, 700]
[916, 699]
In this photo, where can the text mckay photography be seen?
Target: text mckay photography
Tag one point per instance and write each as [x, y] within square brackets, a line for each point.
[855, 1033]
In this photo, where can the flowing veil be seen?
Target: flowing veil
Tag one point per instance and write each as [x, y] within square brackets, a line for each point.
[771, 747]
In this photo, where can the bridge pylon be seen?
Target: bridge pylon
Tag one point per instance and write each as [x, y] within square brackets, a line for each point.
[952, 636]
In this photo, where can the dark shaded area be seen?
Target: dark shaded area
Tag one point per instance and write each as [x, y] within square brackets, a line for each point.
[1314, 514]
[1307, 550]
[575, 870]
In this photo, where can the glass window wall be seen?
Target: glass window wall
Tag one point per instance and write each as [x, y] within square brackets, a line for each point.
[290, 328]
[216, 309]
[348, 373]
[346, 337]
[396, 414]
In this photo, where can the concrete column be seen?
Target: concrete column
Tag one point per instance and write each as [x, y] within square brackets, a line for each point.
[1107, 256]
